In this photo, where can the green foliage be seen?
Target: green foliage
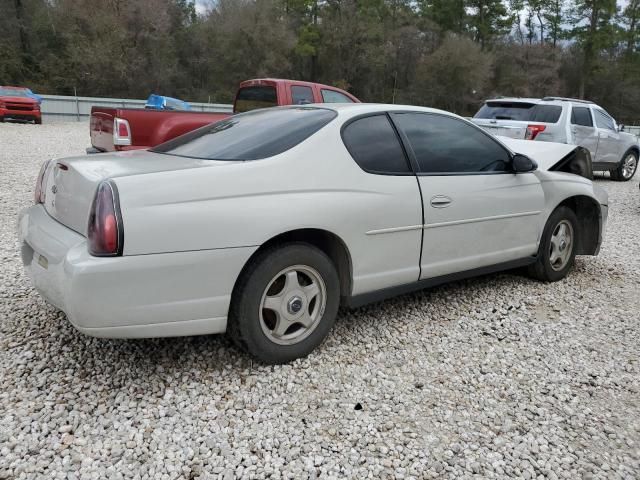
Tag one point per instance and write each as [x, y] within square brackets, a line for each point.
[444, 53]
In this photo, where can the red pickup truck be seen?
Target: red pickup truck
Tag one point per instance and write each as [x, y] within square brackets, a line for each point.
[135, 128]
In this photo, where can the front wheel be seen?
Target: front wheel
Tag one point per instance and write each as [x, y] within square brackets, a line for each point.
[285, 303]
[627, 168]
[557, 250]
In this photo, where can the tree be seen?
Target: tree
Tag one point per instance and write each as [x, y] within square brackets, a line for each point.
[448, 15]
[594, 30]
[488, 19]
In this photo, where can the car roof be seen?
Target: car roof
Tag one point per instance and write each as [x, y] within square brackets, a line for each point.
[353, 109]
[544, 101]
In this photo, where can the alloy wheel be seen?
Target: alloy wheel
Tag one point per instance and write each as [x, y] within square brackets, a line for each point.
[629, 165]
[292, 305]
[561, 245]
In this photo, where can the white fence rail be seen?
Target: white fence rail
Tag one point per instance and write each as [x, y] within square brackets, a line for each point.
[59, 108]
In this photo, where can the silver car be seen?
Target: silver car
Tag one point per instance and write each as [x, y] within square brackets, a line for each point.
[565, 120]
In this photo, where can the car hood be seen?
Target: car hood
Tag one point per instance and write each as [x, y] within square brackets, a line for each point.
[545, 154]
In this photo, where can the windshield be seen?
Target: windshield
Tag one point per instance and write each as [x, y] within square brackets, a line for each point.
[520, 111]
[250, 136]
[13, 92]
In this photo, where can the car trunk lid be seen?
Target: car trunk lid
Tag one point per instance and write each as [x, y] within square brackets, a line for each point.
[504, 128]
[70, 184]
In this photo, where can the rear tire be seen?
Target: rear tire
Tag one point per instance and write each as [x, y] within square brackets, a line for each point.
[557, 250]
[38, 121]
[627, 167]
[284, 303]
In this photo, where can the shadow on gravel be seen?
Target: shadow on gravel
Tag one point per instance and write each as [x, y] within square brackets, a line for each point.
[136, 362]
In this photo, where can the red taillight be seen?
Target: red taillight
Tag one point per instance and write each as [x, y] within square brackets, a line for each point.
[39, 192]
[105, 224]
[533, 131]
[2, 104]
[121, 132]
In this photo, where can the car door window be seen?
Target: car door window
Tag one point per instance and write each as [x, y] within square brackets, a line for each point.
[301, 95]
[446, 145]
[581, 116]
[603, 120]
[331, 96]
[374, 145]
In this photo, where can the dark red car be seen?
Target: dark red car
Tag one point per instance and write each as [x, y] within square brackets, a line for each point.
[17, 104]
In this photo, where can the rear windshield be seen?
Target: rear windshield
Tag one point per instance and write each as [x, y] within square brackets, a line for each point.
[251, 98]
[11, 92]
[521, 111]
[250, 136]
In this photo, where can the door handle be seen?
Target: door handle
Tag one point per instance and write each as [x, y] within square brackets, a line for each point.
[440, 201]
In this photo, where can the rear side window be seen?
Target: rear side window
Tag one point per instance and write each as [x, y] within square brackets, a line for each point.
[581, 116]
[374, 145]
[301, 95]
[250, 136]
[251, 98]
[545, 113]
[505, 111]
[331, 96]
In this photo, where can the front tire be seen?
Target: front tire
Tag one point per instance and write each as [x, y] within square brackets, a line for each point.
[627, 167]
[557, 250]
[285, 303]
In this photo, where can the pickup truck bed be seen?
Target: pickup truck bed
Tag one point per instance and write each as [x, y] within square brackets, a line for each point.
[152, 127]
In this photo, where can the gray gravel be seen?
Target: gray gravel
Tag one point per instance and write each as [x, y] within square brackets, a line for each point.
[492, 377]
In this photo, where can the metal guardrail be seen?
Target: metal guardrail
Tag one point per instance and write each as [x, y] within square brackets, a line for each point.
[632, 129]
[69, 109]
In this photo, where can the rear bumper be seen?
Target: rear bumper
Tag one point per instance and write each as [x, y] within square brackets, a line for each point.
[159, 295]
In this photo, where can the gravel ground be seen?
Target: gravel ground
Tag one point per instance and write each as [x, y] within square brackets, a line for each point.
[492, 377]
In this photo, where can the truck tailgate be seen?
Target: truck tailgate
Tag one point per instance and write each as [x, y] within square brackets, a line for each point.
[148, 127]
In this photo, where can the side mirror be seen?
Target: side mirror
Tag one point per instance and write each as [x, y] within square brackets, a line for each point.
[523, 164]
[621, 127]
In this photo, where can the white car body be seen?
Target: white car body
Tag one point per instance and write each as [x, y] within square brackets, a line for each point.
[191, 226]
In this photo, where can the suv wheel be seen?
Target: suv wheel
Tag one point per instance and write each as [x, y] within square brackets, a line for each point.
[285, 303]
[627, 167]
[557, 246]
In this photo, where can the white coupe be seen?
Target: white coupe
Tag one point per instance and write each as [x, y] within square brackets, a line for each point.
[263, 224]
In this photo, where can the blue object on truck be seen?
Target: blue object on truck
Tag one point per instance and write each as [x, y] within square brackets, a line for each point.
[160, 102]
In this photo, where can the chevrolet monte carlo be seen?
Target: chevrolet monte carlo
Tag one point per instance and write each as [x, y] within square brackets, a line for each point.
[263, 224]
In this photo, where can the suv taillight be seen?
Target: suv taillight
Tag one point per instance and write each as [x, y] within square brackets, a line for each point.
[533, 131]
[39, 192]
[2, 104]
[105, 233]
[121, 132]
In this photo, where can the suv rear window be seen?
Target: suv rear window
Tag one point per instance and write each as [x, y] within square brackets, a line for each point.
[250, 136]
[520, 111]
[251, 98]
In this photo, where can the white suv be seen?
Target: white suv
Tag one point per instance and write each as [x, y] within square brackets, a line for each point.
[565, 120]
